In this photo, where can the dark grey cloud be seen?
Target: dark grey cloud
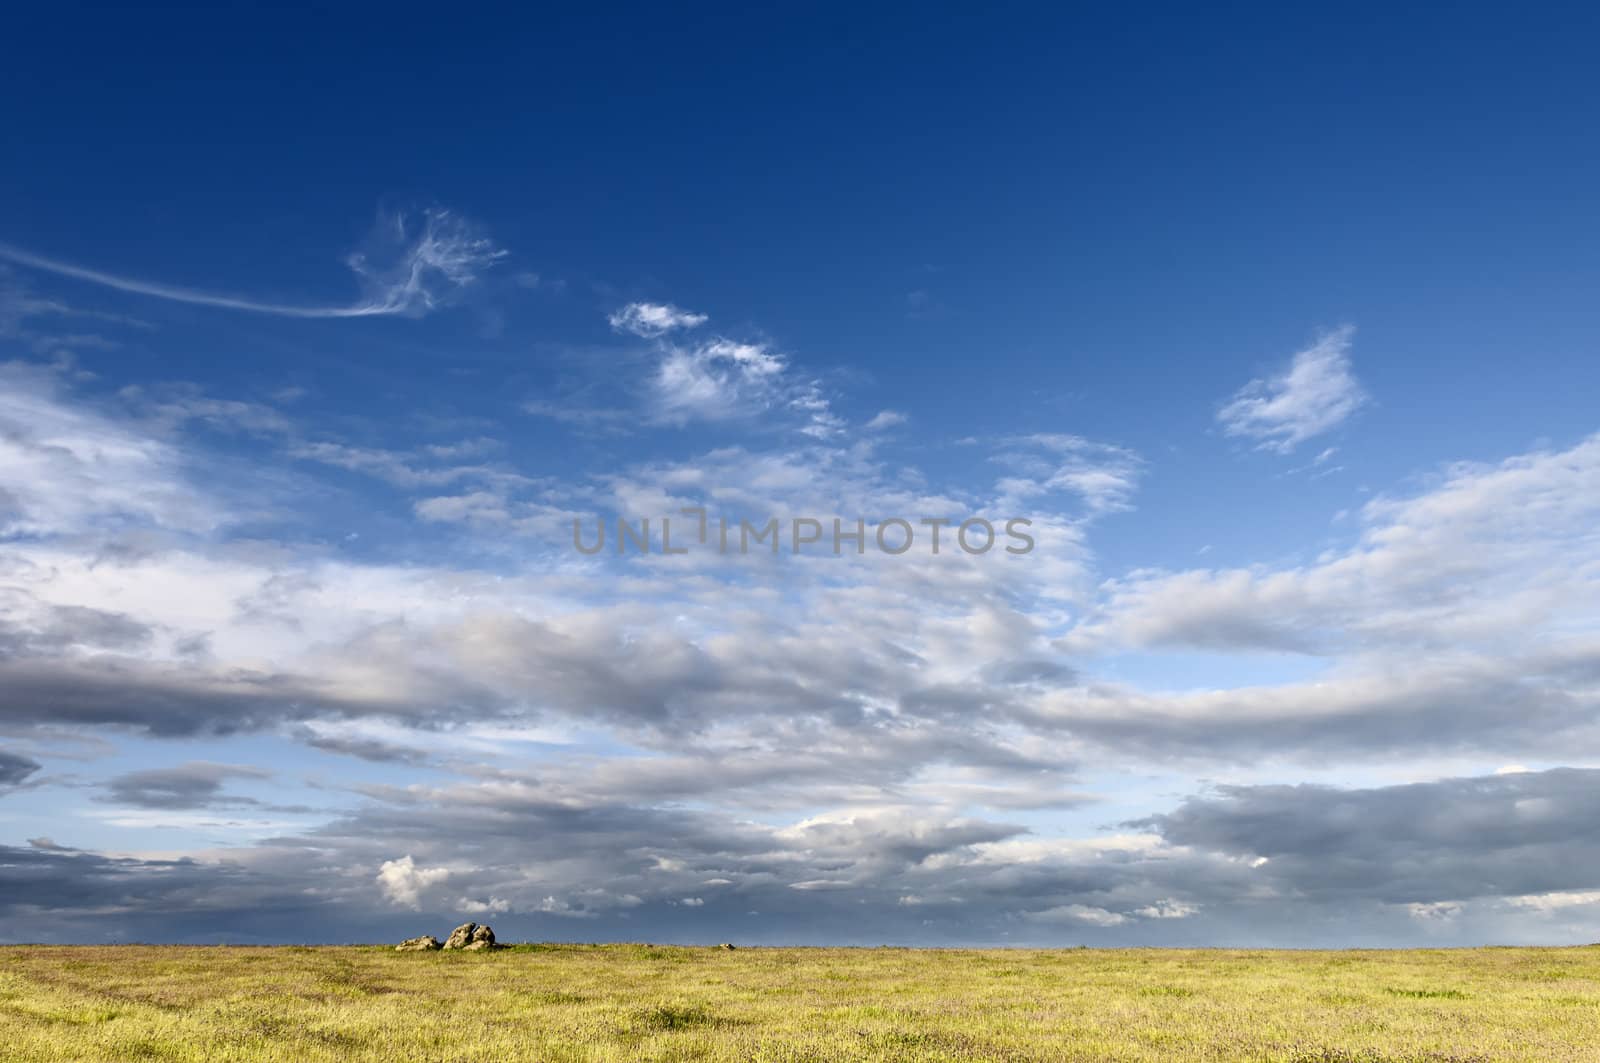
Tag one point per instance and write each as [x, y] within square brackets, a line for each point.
[159, 699]
[15, 768]
[370, 749]
[47, 877]
[197, 784]
[1541, 704]
[1455, 839]
[52, 893]
[55, 628]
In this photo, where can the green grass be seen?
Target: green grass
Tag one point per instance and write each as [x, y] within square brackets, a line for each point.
[634, 1002]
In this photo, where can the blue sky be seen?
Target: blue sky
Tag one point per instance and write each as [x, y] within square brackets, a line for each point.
[1280, 328]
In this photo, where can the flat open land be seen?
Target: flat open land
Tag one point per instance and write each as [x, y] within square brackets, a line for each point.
[640, 1002]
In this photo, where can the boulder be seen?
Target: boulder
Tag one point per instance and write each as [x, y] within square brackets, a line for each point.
[461, 936]
[479, 946]
[471, 936]
[425, 943]
[726, 945]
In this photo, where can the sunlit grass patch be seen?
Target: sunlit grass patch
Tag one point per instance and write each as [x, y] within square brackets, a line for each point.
[1427, 994]
[620, 1003]
[1165, 991]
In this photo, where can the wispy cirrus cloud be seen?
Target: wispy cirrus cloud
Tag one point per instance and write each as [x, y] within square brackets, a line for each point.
[1102, 475]
[1315, 393]
[412, 266]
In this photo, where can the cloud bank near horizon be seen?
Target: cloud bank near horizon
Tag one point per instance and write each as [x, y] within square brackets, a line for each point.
[269, 733]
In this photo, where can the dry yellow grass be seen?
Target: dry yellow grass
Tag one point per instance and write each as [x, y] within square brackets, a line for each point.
[635, 1002]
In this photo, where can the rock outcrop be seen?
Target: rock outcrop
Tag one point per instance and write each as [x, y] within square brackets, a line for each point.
[470, 936]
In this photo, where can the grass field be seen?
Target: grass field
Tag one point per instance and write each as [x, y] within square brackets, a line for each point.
[628, 1002]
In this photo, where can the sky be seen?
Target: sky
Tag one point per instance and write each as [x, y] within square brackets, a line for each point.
[1263, 341]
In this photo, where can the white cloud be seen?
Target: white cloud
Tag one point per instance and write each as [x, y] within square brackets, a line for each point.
[403, 882]
[654, 319]
[821, 884]
[885, 419]
[552, 905]
[1314, 394]
[1102, 475]
[1078, 913]
[482, 506]
[494, 905]
[65, 466]
[1434, 911]
[1493, 556]
[716, 380]
[1551, 902]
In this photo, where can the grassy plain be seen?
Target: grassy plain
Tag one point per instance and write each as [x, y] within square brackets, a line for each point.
[640, 1002]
